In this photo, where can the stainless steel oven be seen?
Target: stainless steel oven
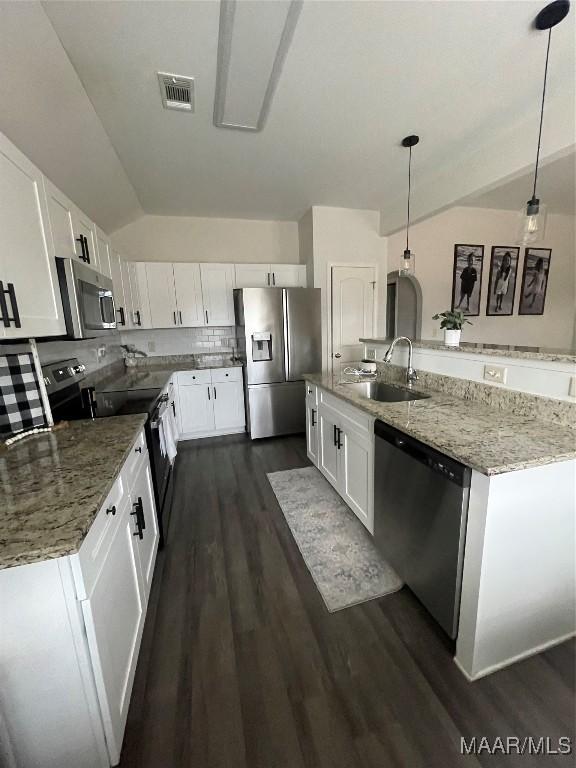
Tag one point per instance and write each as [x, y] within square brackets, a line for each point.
[87, 300]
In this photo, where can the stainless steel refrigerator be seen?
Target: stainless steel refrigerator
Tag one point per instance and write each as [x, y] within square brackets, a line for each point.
[279, 338]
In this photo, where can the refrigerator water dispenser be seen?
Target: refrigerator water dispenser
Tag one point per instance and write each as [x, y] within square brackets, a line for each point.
[261, 346]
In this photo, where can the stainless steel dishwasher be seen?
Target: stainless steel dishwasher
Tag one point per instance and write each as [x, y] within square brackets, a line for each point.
[420, 513]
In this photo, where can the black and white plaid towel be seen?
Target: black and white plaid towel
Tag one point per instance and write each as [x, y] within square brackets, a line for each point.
[20, 401]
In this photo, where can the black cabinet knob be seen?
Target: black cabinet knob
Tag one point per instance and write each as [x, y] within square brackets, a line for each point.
[138, 450]
[111, 510]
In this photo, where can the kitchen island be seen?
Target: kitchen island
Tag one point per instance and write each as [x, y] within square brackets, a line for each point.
[517, 588]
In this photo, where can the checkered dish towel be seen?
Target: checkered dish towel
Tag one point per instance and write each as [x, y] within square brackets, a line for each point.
[20, 401]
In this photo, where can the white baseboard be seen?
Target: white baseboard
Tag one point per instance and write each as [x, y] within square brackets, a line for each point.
[210, 433]
[513, 659]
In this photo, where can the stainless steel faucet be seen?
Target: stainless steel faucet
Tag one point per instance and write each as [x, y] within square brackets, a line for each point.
[411, 374]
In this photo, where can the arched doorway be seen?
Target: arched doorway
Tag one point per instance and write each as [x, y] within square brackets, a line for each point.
[403, 306]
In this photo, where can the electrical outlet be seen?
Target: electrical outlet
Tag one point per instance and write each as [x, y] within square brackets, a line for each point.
[434, 333]
[101, 352]
[495, 373]
[572, 386]
[151, 346]
[370, 353]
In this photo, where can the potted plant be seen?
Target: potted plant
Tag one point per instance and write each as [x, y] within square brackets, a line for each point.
[452, 322]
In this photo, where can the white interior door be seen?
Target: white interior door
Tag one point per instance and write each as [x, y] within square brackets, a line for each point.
[161, 295]
[353, 290]
[189, 295]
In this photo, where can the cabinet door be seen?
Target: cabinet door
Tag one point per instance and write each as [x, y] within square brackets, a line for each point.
[252, 275]
[103, 246]
[356, 473]
[118, 290]
[196, 411]
[288, 275]
[125, 270]
[142, 497]
[60, 218]
[174, 408]
[188, 287]
[328, 451]
[312, 432]
[114, 617]
[217, 287]
[85, 229]
[27, 267]
[161, 294]
[229, 405]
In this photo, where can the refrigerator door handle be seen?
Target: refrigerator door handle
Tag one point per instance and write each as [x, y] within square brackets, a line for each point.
[286, 336]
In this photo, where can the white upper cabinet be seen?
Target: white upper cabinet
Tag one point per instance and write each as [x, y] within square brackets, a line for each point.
[140, 297]
[125, 270]
[270, 276]
[103, 247]
[85, 239]
[30, 296]
[60, 215]
[252, 275]
[188, 286]
[217, 287]
[118, 290]
[161, 295]
[288, 275]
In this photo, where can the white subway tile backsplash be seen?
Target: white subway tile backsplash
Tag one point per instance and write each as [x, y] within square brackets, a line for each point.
[181, 341]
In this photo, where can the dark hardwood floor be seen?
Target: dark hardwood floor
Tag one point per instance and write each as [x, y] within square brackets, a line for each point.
[242, 666]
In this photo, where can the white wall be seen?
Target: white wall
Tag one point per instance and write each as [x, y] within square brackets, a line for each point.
[433, 242]
[346, 236]
[192, 238]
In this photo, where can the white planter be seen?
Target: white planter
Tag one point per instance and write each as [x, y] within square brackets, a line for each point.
[452, 338]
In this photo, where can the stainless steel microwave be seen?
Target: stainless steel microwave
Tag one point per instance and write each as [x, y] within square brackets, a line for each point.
[87, 300]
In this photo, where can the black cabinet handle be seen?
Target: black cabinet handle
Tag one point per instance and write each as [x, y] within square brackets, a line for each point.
[214, 393]
[268, 276]
[138, 318]
[339, 442]
[11, 293]
[208, 393]
[180, 316]
[335, 435]
[138, 449]
[273, 279]
[312, 414]
[138, 531]
[141, 513]
[173, 408]
[122, 319]
[80, 240]
[87, 249]
[206, 311]
[111, 510]
[175, 320]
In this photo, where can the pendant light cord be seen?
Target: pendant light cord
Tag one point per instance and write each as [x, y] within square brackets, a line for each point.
[542, 112]
[409, 188]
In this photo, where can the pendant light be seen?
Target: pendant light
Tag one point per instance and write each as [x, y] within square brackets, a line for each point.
[408, 258]
[533, 217]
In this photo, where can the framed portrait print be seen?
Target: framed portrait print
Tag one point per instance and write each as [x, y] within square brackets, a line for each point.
[467, 278]
[502, 280]
[534, 281]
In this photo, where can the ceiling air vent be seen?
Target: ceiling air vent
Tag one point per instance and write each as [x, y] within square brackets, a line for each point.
[177, 91]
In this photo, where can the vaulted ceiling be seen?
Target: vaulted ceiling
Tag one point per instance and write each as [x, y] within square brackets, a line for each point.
[79, 93]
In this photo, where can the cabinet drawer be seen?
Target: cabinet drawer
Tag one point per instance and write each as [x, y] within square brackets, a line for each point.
[92, 554]
[361, 420]
[194, 377]
[311, 394]
[222, 375]
[138, 454]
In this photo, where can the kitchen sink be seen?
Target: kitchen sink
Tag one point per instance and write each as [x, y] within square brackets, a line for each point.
[385, 393]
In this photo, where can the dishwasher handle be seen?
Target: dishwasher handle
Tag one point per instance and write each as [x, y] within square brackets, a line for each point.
[437, 462]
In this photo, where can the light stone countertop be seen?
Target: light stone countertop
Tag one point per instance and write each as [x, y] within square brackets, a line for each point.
[156, 375]
[53, 485]
[496, 350]
[489, 440]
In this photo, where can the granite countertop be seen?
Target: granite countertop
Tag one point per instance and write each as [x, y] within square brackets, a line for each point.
[155, 375]
[487, 439]
[495, 350]
[53, 485]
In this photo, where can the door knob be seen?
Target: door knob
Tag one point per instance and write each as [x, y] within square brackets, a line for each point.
[338, 355]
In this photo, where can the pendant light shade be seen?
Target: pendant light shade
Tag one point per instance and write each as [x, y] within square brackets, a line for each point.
[407, 264]
[532, 224]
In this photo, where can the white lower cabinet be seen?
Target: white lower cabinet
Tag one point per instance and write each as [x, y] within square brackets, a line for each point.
[71, 632]
[341, 444]
[210, 402]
